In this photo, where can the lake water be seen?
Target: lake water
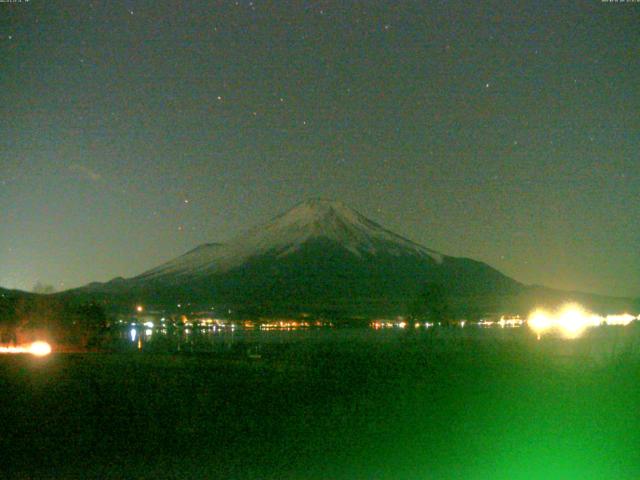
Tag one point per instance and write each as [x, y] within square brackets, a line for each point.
[328, 403]
[597, 344]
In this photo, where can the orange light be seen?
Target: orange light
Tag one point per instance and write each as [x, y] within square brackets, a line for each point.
[39, 349]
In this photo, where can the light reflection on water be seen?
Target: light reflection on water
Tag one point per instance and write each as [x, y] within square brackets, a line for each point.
[252, 342]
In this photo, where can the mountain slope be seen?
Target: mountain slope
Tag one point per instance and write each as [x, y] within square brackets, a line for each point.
[318, 256]
[287, 234]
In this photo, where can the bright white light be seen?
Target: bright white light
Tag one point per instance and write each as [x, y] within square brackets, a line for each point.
[624, 319]
[148, 324]
[540, 321]
[133, 334]
[572, 320]
[40, 349]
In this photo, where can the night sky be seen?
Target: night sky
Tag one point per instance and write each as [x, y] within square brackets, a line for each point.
[132, 131]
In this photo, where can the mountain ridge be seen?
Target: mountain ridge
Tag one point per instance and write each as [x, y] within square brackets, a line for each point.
[285, 233]
[319, 256]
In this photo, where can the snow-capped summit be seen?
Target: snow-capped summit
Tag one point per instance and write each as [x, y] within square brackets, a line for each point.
[316, 219]
[331, 220]
[320, 256]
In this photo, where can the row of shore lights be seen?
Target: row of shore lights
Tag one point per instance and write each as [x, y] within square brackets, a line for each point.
[571, 320]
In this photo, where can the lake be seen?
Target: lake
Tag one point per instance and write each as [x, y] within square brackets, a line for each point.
[341, 403]
[597, 344]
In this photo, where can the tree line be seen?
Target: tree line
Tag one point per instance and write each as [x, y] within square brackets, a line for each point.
[61, 321]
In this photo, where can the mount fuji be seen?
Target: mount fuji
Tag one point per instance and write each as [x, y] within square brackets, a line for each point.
[320, 256]
[290, 233]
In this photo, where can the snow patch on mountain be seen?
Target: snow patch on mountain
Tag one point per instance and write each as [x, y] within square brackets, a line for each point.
[288, 232]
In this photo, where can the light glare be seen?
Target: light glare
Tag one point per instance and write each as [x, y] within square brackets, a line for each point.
[39, 349]
[572, 320]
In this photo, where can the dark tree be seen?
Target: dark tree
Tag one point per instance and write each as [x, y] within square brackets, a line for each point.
[88, 321]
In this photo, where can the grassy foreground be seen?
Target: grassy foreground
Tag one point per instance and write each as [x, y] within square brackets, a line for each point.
[410, 408]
